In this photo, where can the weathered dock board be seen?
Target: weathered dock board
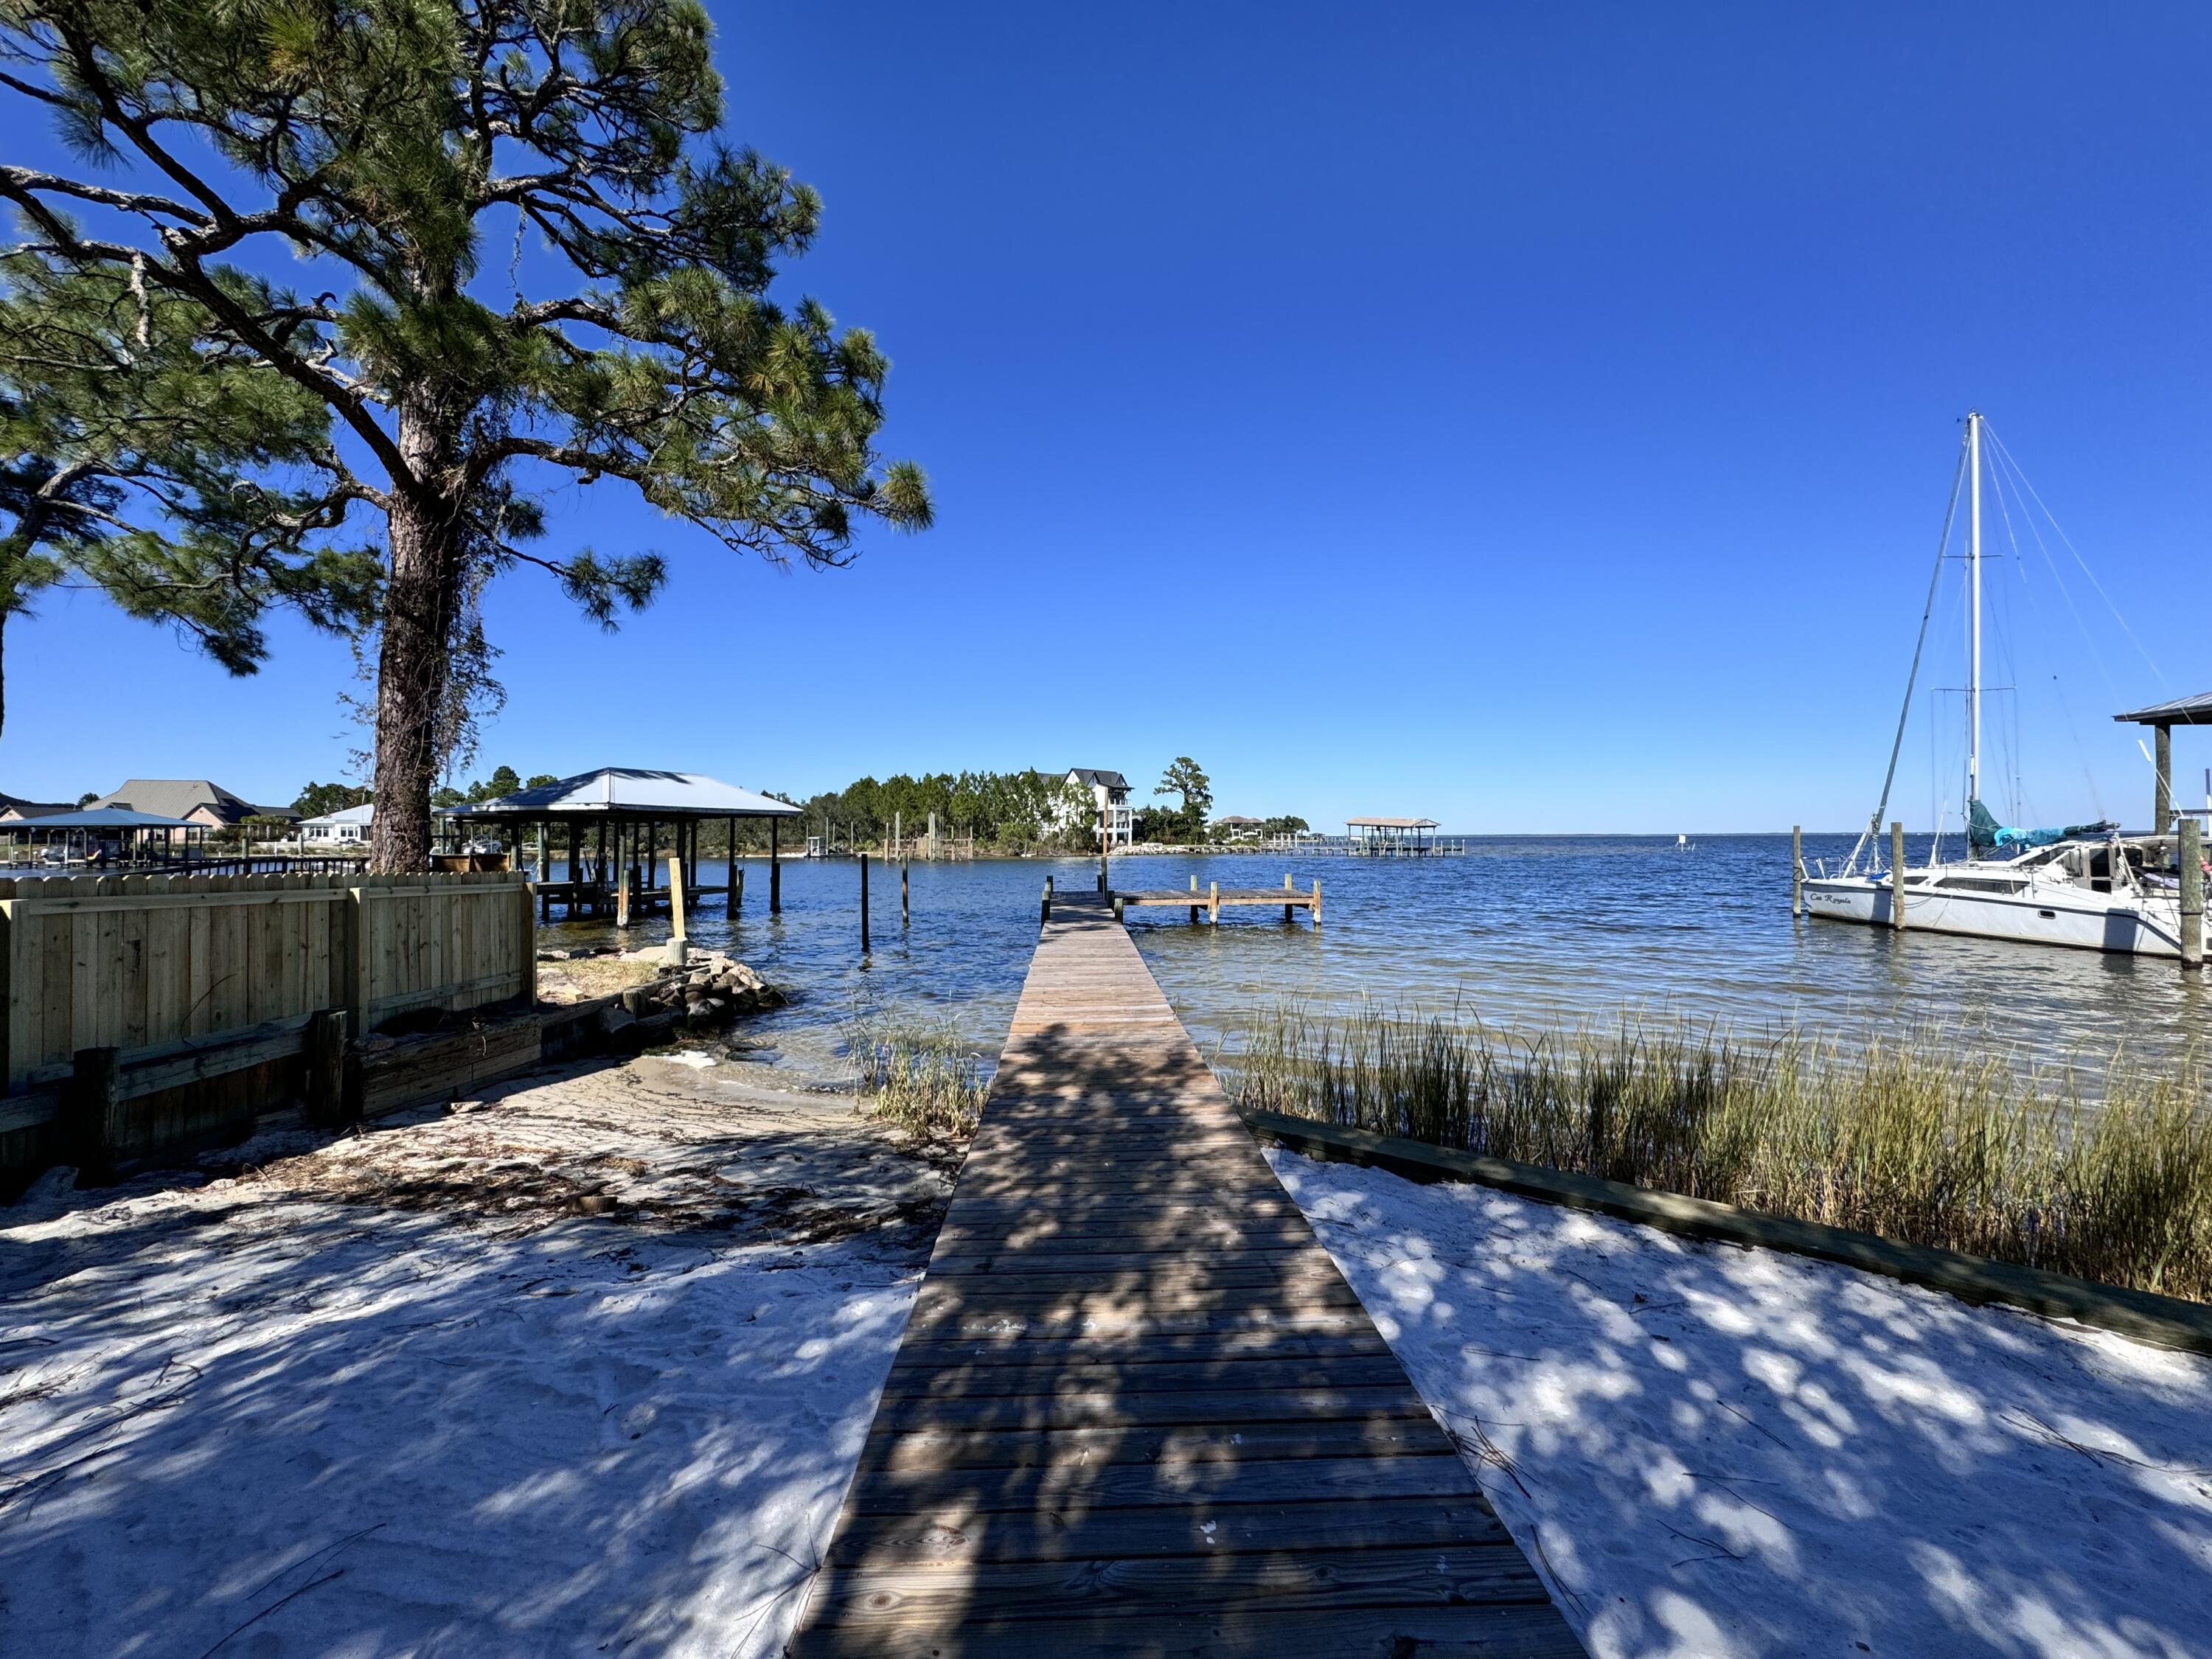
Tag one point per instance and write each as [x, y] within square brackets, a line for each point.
[1137, 1409]
[1217, 898]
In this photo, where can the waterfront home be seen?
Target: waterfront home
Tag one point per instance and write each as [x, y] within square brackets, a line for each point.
[1110, 793]
[347, 828]
[194, 800]
[1236, 826]
[13, 809]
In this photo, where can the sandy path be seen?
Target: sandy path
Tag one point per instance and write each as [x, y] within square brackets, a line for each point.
[398, 1394]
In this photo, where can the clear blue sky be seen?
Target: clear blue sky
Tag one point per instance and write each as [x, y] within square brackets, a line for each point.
[1536, 417]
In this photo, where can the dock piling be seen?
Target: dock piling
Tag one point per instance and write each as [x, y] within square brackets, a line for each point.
[2192, 893]
[1797, 870]
[1287, 888]
[775, 874]
[864, 905]
[1047, 916]
[1316, 904]
[1213, 904]
[1897, 875]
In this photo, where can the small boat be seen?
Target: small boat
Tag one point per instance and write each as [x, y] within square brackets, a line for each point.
[2084, 885]
[1683, 843]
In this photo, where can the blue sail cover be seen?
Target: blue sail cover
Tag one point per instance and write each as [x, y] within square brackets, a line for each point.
[1984, 834]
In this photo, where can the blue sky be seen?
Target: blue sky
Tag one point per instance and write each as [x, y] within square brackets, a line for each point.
[1539, 418]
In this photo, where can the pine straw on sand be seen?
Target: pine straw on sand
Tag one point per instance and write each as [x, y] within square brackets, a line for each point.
[1912, 1139]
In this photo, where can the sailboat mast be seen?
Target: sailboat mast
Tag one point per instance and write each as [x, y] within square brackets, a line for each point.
[1974, 615]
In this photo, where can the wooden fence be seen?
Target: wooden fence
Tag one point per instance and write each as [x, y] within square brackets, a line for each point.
[176, 981]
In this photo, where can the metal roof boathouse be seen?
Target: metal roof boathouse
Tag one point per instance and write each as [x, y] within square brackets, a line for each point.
[609, 826]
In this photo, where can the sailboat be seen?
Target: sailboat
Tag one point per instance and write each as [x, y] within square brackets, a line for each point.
[2084, 885]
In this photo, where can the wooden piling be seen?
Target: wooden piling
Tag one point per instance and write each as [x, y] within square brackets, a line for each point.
[775, 874]
[1213, 904]
[622, 898]
[737, 888]
[676, 898]
[903, 913]
[1194, 908]
[1896, 874]
[864, 905]
[1287, 888]
[1047, 916]
[1316, 904]
[92, 1132]
[1797, 870]
[2192, 893]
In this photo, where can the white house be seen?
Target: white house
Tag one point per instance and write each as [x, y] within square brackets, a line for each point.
[347, 828]
[1110, 793]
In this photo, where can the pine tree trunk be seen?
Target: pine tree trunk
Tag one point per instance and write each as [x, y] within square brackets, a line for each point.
[421, 589]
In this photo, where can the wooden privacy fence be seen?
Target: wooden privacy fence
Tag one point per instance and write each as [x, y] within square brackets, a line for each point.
[181, 979]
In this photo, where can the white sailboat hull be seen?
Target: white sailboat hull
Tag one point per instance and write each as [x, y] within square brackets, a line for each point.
[2055, 914]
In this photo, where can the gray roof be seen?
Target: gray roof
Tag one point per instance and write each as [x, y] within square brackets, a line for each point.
[179, 798]
[110, 817]
[364, 814]
[34, 809]
[1093, 775]
[2182, 711]
[632, 791]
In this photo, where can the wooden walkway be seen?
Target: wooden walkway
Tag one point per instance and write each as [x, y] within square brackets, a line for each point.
[1138, 1411]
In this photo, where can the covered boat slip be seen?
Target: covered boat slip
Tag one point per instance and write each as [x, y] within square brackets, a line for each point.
[1136, 1410]
[611, 831]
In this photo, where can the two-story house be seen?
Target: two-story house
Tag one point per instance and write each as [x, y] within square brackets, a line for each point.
[1110, 793]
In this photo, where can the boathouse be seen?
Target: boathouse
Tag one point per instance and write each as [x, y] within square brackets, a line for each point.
[611, 829]
[2162, 717]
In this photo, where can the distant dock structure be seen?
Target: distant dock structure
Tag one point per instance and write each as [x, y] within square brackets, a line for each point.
[1374, 838]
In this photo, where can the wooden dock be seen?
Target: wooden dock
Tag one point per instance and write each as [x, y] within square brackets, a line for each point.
[1136, 1410]
[1217, 898]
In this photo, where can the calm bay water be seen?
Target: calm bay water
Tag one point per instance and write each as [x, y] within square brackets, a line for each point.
[1523, 930]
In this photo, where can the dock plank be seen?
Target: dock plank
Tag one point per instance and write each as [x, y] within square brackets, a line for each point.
[1137, 1409]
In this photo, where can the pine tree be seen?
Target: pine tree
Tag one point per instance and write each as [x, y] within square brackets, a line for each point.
[135, 461]
[390, 144]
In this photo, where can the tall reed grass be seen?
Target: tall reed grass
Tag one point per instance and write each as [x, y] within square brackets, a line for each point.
[921, 1077]
[1913, 1139]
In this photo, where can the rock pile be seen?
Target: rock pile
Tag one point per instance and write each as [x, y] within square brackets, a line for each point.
[714, 988]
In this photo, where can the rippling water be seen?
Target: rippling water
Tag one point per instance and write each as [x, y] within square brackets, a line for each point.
[1522, 930]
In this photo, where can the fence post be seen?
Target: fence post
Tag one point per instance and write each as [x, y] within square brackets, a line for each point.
[1896, 874]
[92, 1130]
[2192, 893]
[323, 1091]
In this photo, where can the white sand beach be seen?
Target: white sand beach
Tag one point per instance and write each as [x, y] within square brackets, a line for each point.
[1712, 1451]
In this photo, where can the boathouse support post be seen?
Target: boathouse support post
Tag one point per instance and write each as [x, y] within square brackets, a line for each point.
[864, 905]
[1797, 870]
[1897, 874]
[2162, 810]
[2192, 895]
[678, 946]
[775, 874]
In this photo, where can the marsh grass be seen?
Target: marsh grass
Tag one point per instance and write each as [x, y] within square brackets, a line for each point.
[921, 1077]
[1913, 1139]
